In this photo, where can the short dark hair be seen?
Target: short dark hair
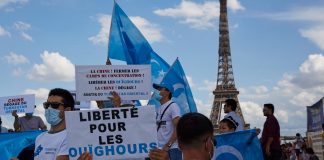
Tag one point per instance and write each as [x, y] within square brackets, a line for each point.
[192, 128]
[269, 106]
[229, 123]
[68, 99]
[297, 134]
[232, 103]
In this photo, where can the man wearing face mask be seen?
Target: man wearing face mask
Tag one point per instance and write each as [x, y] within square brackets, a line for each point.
[167, 119]
[52, 145]
[29, 122]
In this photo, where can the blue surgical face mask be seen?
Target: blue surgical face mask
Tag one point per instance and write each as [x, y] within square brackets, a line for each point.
[52, 116]
[157, 96]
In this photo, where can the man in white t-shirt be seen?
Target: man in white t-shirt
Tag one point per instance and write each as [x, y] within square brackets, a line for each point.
[298, 145]
[52, 145]
[167, 119]
[230, 110]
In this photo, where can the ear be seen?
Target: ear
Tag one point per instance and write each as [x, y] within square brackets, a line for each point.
[209, 145]
[62, 115]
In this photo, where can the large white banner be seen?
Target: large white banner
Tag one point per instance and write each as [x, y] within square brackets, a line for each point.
[21, 103]
[80, 104]
[131, 82]
[115, 133]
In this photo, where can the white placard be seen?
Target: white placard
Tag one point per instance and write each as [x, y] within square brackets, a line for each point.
[116, 133]
[80, 104]
[21, 103]
[131, 82]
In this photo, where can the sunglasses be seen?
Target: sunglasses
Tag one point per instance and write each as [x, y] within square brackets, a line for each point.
[53, 105]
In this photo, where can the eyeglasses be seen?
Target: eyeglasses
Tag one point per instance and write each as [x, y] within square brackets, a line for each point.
[53, 105]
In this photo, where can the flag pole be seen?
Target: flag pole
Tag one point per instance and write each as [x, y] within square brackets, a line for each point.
[108, 62]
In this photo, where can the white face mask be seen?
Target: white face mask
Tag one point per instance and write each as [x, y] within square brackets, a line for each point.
[157, 96]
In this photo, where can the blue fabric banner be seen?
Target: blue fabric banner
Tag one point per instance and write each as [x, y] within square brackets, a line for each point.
[11, 144]
[242, 145]
[315, 116]
[126, 42]
[182, 94]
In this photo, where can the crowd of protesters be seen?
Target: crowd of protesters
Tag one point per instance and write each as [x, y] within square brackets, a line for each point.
[186, 137]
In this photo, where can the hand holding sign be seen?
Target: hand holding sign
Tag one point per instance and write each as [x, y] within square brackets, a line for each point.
[14, 113]
[158, 154]
[85, 156]
[115, 98]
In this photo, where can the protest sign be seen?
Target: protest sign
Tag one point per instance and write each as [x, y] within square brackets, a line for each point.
[114, 133]
[21, 103]
[131, 82]
[80, 104]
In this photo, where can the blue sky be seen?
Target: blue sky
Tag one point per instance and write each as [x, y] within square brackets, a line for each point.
[277, 48]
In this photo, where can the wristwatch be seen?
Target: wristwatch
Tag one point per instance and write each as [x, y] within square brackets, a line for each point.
[170, 144]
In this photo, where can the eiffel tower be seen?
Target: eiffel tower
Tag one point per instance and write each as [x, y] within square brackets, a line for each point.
[225, 87]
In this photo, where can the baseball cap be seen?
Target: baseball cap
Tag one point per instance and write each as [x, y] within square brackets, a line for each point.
[163, 85]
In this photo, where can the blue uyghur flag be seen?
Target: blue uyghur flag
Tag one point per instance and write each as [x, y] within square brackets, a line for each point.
[126, 42]
[159, 68]
[182, 94]
[11, 144]
[240, 145]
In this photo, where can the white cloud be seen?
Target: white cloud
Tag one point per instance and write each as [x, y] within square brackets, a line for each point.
[282, 115]
[204, 108]
[41, 94]
[15, 59]
[150, 31]
[235, 5]
[199, 16]
[310, 13]
[17, 72]
[252, 113]
[26, 36]
[22, 26]
[306, 14]
[311, 72]
[314, 34]
[190, 81]
[235, 26]
[260, 89]
[290, 95]
[207, 85]
[303, 98]
[54, 68]
[3, 32]
[102, 36]
[4, 3]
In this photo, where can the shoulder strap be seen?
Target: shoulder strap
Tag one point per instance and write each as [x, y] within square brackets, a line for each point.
[160, 122]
